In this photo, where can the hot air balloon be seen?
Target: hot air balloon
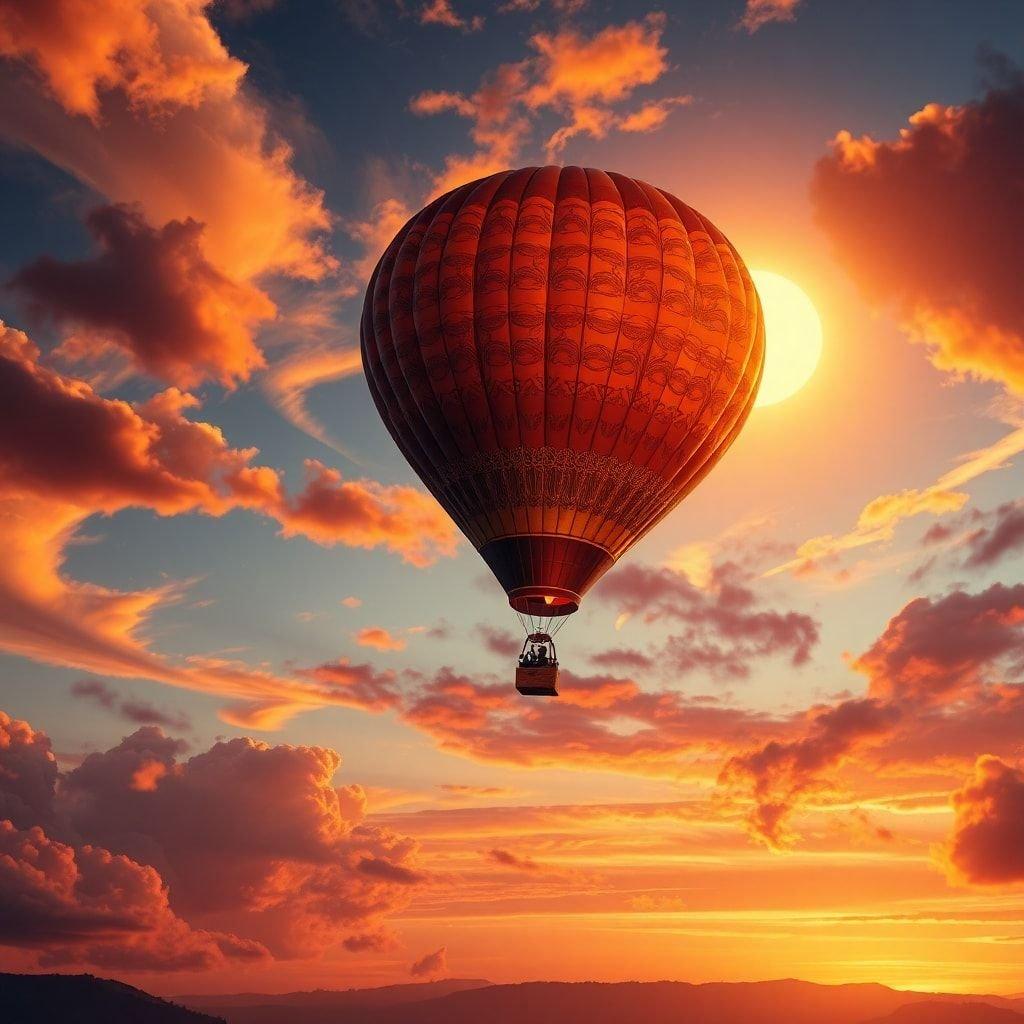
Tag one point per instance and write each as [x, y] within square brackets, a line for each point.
[562, 354]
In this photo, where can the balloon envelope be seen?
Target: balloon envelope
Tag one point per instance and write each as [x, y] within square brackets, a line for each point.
[562, 354]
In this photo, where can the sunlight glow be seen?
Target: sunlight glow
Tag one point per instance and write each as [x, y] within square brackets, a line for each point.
[793, 331]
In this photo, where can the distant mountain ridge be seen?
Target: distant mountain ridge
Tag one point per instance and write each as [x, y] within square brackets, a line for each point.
[930, 1012]
[668, 1002]
[384, 995]
[84, 999]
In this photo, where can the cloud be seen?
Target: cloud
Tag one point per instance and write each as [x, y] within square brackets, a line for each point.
[879, 519]
[937, 649]
[357, 686]
[244, 848]
[987, 843]
[390, 215]
[759, 13]
[1003, 538]
[70, 900]
[508, 859]
[74, 905]
[600, 722]
[153, 295]
[935, 690]
[464, 790]
[367, 514]
[215, 163]
[651, 116]
[136, 711]
[625, 659]
[724, 628]
[441, 12]
[28, 773]
[161, 56]
[433, 965]
[953, 287]
[142, 104]
[379, 639]
[68, 453]
[581, 77]
[500, 641]
[351, 602]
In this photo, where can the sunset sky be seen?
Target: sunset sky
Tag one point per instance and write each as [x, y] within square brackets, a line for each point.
[258, 729]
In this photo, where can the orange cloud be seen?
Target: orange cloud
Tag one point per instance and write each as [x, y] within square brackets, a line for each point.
[651, 116]
[366, 514]
[142, 103]
[153, 295]
[255, 838]
[289, 380]
[935, 691]
[160, 55]
[68, 453]
[879, 519]
[987, 844]
[759, 13]
[441, 12]
[73, 905]
[577, 75]
[952, 288]
[379, 638]
[600, 723]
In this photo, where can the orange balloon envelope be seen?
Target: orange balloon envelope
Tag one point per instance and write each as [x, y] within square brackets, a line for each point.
[562, 354]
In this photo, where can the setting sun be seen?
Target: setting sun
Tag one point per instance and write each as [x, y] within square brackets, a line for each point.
[793, 330]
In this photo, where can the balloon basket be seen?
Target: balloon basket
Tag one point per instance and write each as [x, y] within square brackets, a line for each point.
[537, 681]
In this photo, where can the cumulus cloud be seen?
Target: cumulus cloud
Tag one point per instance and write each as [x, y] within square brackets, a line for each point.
[146, 860]
[152, 294]
[950, 277]
[142, 104]
[86, 905]
[433, 965]
[987, 844]
[936, 688]
[162, 56]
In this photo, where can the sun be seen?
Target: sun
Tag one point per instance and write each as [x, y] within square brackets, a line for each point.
[793, 331]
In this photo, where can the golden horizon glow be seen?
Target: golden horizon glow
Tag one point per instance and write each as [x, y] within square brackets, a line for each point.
[794, 337]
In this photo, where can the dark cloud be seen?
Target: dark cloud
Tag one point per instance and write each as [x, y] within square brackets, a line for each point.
[432, 965]
[931, 222]
[724, 627]
[138, 712]
[935, 688]
[152, 293]
[1002, 537]
[987, 843]
[139, 858]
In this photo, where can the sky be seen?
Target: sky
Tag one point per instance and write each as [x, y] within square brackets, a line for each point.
[258, 726]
